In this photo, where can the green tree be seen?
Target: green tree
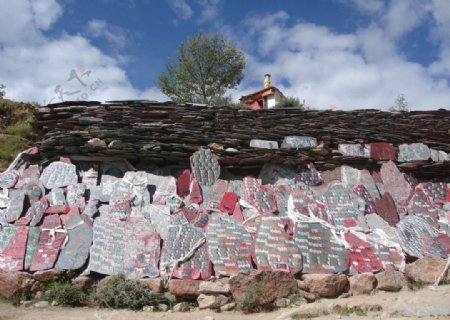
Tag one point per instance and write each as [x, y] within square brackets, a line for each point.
[400, 104]
[206, 66]
[2, 90]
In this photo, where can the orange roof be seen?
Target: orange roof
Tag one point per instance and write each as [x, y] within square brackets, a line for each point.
[260, 94]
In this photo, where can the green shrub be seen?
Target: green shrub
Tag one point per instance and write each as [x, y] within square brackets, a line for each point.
[61, 290]
[120, 292]
[10, 146]
[290, 102]
[250, 301]
[23, 295]
[21, 129]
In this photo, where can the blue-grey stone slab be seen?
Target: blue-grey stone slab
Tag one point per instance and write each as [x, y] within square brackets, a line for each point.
[354, 150]
[205, 167]
[15, 208]
[263, 144]
[59, 174]
[299, 142]
[413, 152]
[56, 197]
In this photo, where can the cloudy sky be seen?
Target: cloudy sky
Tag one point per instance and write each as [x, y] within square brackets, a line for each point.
[344, 53]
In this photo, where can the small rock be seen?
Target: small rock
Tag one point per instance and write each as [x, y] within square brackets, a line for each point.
[148, 309]
[184, 288]
[217, 287]
[96, 143]
[309, 297]
[47, 275]
[39, 294]
[425, 270]
[155, 285]
[172, 298]
[13, 282]
[181, 307]
[390, 281]
[211, 301]
[54, 303]
[362, 283]
[163, 307]
[41, 304]
[115, 144]
[83, 282]
[228, 307]
[325, 285]
[281, 303]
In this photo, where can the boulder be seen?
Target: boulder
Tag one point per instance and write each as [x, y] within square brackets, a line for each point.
[155, 285]
[228, 307]
[47, 275]
[363, 283]
[83, 282]
[184, 288]
[13, 282]
[281, 303]
[325, 285]
[218, 287]
[211, 301]
[268, 286]
[425, 270]
[390, 281]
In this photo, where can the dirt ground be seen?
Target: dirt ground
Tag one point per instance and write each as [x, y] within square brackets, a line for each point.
[427, 303]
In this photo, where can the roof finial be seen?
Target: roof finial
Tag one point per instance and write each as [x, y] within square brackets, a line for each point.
[267, 82]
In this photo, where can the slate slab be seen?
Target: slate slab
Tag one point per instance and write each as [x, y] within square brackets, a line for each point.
[33, 191]
[308, 175]
[32, 244]
[59, 174]
[395, 183]
[436, 192]
[215, 195]
[362, 192]
[299, 142]
[107, 186]
[30, 174]
[275, 248]
[183, 183]
[386, 208]
[264, 200]
[79, 238]
[51, 238]
[321, 248]
[34, 213]
[159, 217]
[8, 179]
[361, 254]
[12, 255]
[15, 207]
[263, 144]
[76, 195]
[229, 245]
[413, 152]
[382, 151]
[166, 188]
[352, 177]
[228, 202]
[56, 197]
[419, 205]
[205, 167]
[354, 150]
[417, 238]
[195, 195]
[182, 240]
[249, 186]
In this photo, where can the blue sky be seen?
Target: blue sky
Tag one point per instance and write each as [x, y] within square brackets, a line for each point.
[332, 53]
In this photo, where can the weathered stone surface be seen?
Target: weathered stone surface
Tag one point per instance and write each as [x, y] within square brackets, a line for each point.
[426, 269]
[155, 285]
[361, 254]
[325, 285]
[228, 307]
[83, 282]
[413, 152]
[299, 142]
[59, 174]
[263, 144]
[395, 183]
[47, 275]
[382, 151]
[268, 285]
[281, 303]
[211, 301]
[205, 167]
[363, 283]
[181, 307]
[354, 150]
[13, 282]
[13, 254]
[217, 287]
[32, 244]
[15, 207]
[390, 280]
[8, 179]
[385, 208]
[184, 288]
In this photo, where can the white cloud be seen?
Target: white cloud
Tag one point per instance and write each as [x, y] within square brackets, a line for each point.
[209, 10]
[33, 66]
[113, 34]
[367, 6]
[363, 69]
[181, 9]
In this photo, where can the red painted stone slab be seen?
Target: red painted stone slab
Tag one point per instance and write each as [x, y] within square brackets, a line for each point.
[228, 202]
[361, 254]
[362, 192]
[30, 174]
[382, 151]
[264, 200]
[419, 205]
[33, 191]
[237, 213]
[444, 241]
[218, 190]
[183, 183]
[36, 211]
[13, 255]
[49, 245]
[385, 208]
[249, 186]
[195, 195]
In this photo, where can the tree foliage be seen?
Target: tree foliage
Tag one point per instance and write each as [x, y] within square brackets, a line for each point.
[206, 66]
[2, 90]
[290, 102]
[400, 104]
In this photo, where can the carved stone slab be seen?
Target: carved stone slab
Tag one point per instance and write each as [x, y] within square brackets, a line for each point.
[308, 175]
[159, 217]
[8, 179]
[352, 177]
[32, 244]
[79, 238]
[228, 202]
[181, 240]
[322, 250]
[195, 195]
[107, 186]
[30, 174]
[15, 208]
[395, 183]
[33, 191]
[165, 189]
[299, 142]
[205, 167]
[362, 192]
[215, 196]
[302, 201]
[419, 205]
[249, 186]
[56, 197]
[382, 151]
[50, 242]
[417, 238]
[263, 144]
[183, 183]
[354, 150]
[413, 152]
[361, 254]
[277, 174]
[275, 249]
[264, 200]
[228, 243]
[59, 174]
[35, 212]
[386, 209]
[12, 256]
[76, 195]
[6, 234]
[435, 191]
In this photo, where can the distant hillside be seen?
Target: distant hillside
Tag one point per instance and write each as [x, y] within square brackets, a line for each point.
[15, 129]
